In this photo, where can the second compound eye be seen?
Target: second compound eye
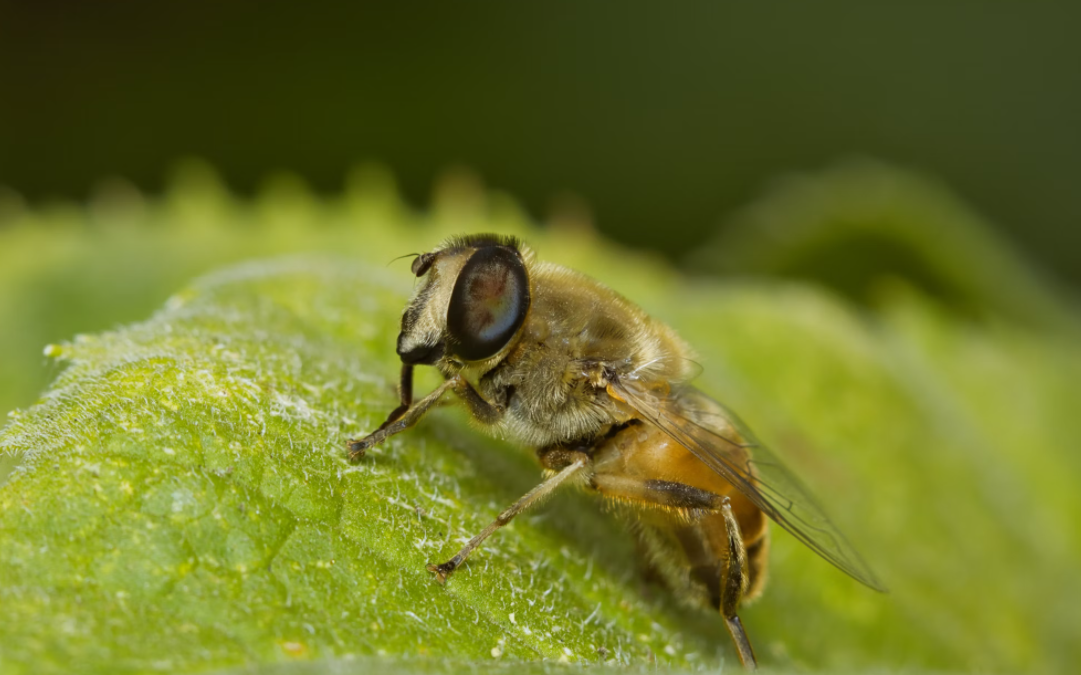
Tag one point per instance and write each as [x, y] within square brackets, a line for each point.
[422, 262]
[489, 303]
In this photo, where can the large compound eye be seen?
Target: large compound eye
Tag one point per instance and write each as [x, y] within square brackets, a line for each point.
[489, 303]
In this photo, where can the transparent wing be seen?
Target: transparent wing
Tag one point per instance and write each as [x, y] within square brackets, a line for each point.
[723, 443]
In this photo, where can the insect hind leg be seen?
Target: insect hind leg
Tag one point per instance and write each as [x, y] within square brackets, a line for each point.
[734, 584]
[728, 576]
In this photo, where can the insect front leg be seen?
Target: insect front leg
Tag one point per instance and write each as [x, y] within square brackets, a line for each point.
[405, 395]
[482, 410]
[398, 422]
[530, 498]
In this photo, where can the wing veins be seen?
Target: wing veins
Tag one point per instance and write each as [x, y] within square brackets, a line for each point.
[797, 514]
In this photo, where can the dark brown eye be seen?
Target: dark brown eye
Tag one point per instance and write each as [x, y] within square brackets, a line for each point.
[489, 303]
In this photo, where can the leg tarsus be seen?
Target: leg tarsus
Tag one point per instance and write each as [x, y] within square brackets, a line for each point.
[743, 645]
[443, 571]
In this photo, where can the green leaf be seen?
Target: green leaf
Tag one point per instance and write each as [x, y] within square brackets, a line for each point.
[186, 478]
[184, 502]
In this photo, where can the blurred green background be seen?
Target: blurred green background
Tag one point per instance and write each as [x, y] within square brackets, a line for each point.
[912, 168]
[663, 119]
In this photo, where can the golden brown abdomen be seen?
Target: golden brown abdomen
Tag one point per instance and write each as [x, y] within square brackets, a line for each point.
[675, 501]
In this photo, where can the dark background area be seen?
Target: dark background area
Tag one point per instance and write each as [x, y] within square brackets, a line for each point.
[663, 119]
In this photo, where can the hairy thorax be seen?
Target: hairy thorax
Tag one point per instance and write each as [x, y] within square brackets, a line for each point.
[579, 336]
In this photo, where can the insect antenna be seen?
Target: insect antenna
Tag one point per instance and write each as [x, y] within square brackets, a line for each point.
[394, 260]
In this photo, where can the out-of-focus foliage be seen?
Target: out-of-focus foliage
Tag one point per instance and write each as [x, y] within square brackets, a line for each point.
[184, 502]
[664, 120]
[862, 226]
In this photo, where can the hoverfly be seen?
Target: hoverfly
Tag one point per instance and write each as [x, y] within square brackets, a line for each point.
[559, 362]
